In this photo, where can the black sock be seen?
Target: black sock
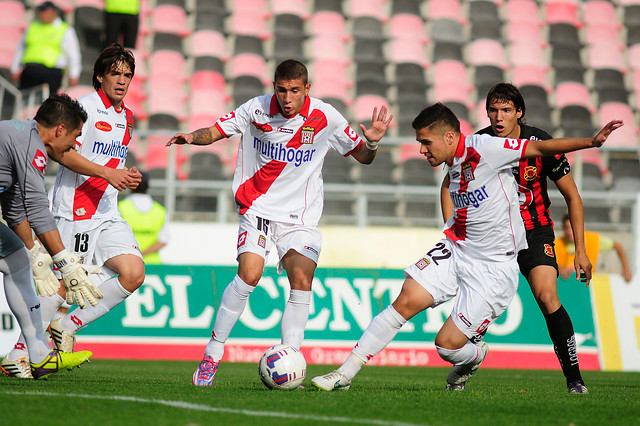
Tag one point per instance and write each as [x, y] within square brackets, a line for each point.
[564, 343]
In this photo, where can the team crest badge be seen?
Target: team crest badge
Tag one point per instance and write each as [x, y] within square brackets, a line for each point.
[262, 241]
[130, 129]
[548, 250]
[306, 134]
[530, 172]
[467, 172]
[422, 263]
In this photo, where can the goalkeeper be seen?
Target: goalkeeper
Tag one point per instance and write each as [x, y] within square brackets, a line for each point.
[24, 150]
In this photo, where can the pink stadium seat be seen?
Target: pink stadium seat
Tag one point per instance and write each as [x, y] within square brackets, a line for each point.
[452, 92]
[449, 9]
[334, 69]
[589, 156]
[298, 8]
[373, 8]
[625, 137]
[599, 12]
[408, 50]
[249, 64]
[487, 52]
[527, 54]
[209, 43]
[141, 64]
[331, 87]
[329, 47]
[157, 156]
[522, 11]
[633, 56]
[6, 56]
[168, 62]
[465, 127]
[79, 91]
[573, 93]
[136, 97]
[562, 12]
[251, 24]
[531, 75]
[208, 102]
[523, 31]
[12, 14]
[251, 6]
[208, 80]
[449, 71]
[405, 25]
[606, 56]
[598, 33]
[326, 22]
[166, 97]
[408, 151]
[11, 36]
[364, 105]
[200, 121]
[480, 111]
[170, 19]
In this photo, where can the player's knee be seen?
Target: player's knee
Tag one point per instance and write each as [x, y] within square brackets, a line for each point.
[250, 277]
[548, 301]
[448, 355]
[132, 278]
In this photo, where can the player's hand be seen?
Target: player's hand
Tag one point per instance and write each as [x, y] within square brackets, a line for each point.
[604, 133]
[121, 179]
[181, 139]
[379, 125]
[46, 282]
[76, 278]
[583, 268]
[135, 177]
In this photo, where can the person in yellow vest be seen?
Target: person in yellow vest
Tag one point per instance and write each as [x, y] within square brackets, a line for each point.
[594, 242]
[148, 220]
[121, 17]
[48, 47]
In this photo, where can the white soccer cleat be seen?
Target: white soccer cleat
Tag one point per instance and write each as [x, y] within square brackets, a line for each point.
[63, 340]
[19, 368]
[331, 381]
[459, 374]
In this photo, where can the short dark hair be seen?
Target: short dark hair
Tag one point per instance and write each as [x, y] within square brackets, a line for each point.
[111, 57]
[291, 69]
[436, 115]
[61, 109]
[505, 92]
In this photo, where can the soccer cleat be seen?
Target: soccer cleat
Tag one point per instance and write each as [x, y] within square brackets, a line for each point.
[331, 381]
[19, 368]
[456, 387]
[57, 361]
[577, 387]
[459, 374]
[206, 372]
[63, 340]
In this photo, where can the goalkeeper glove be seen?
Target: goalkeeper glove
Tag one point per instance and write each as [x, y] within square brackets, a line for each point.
[76, 279]
[46, 282]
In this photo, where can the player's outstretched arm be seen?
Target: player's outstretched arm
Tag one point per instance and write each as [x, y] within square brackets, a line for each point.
[118, 178]
[373, 135]
[204, 136]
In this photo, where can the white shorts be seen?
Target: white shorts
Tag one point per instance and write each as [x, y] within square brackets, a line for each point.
[258, 235]
[482, 289]
[96, 241]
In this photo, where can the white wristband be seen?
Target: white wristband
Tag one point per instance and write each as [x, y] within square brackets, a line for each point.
[372, 145]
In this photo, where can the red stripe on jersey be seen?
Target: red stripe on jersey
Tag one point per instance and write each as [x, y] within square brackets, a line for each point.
[261, 181]
[462, 215]
[89, 194]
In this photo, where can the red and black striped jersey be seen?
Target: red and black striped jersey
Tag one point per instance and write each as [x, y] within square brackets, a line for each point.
[531, 175]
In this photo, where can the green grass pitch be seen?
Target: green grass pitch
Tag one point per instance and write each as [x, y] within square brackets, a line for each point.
[160, 393]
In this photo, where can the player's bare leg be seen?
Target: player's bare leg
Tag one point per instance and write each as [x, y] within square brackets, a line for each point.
[300, 270]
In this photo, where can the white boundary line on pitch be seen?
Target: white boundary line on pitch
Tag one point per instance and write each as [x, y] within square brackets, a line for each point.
[202, 407]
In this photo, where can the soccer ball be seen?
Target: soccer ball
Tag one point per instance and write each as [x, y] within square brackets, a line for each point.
[282, 367]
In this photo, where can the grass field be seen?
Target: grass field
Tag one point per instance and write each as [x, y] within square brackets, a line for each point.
[160, 393]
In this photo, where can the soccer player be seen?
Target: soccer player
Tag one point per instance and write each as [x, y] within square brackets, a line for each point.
[85, 199]
[476, 261]
[506, 111]
[24, 150]
[278, 188]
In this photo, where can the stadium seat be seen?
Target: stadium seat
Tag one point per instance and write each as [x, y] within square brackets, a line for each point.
[200, 121]
[76, 92]
[487, 52]
[327, 22]
[633, 56]
[368, 50]
[336, 168]
[329, 47]
[288, 47]
[170, 19]
[245, 88]
[485, 77]
[406, 25]
[450, 72]
[410, 75]
[209, 43]
[486, 30]
[250, 7]
[562, 11]
[208, 63]
[13, 14]
[252, 23]
[371, 8]
[168, 62]
[207, 80]
[608, 79]
[445, 50]
[248, 44]
[480, 113]
[249, 64]
[367, 27]
[400, 7]
[446, 9]
[626, 137]
[562, 34]
[381, 175]
[451, 92]
[606, 56]
[89, 25]
[363, 107]
[527, 54]
[287, 7]
[522, 11]
[573, 93]
[531, 75]
[166, 41]
[11, 36]
[328, 87]
[288, 25]
[602, 33]
[408, 50]
[529, 32]
[599, 12]
[209, 20]
[447, 30]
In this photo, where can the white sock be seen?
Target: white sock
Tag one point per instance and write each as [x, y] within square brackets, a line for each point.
[294, 318]
[23, 302]
[113, 294]
[376, 337]
[464, 355]
[48, 307]
[232, 304]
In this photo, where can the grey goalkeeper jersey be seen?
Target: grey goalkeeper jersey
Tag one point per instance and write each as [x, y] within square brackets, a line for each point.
[23, 159]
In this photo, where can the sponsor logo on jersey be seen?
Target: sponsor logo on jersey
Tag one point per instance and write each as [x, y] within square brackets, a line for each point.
[530, 173]
[120, 126]
[455, 175]
[512, 144]
[548, 250]
[467, 172]
[18, 125]
[228, 116]
[293, 216]
[351, 134]
[471, 198]
[312, 250]
[483, 326]
[103, 125]
[80, 212]
[130, 128]
[40, 161]
[114, 149]
[242, 238]
[284, 130]
[260, 112]
[280, 152]
[262, 127]
[101, 111]
[262, 241]
[422, 263]
[464, 320]
[306, 134]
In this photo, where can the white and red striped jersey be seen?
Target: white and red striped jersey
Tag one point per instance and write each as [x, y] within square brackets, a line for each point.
[105, 140]
[486, 219]
[278, 173]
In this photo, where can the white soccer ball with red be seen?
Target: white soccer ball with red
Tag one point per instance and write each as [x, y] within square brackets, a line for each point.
[282, 367]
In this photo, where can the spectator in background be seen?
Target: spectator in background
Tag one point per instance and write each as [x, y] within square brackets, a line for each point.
[48, 47]
[595, 243]
[148, 220]
[121, 19]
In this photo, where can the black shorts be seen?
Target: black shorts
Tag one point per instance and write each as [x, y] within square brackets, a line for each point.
[541, 250]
